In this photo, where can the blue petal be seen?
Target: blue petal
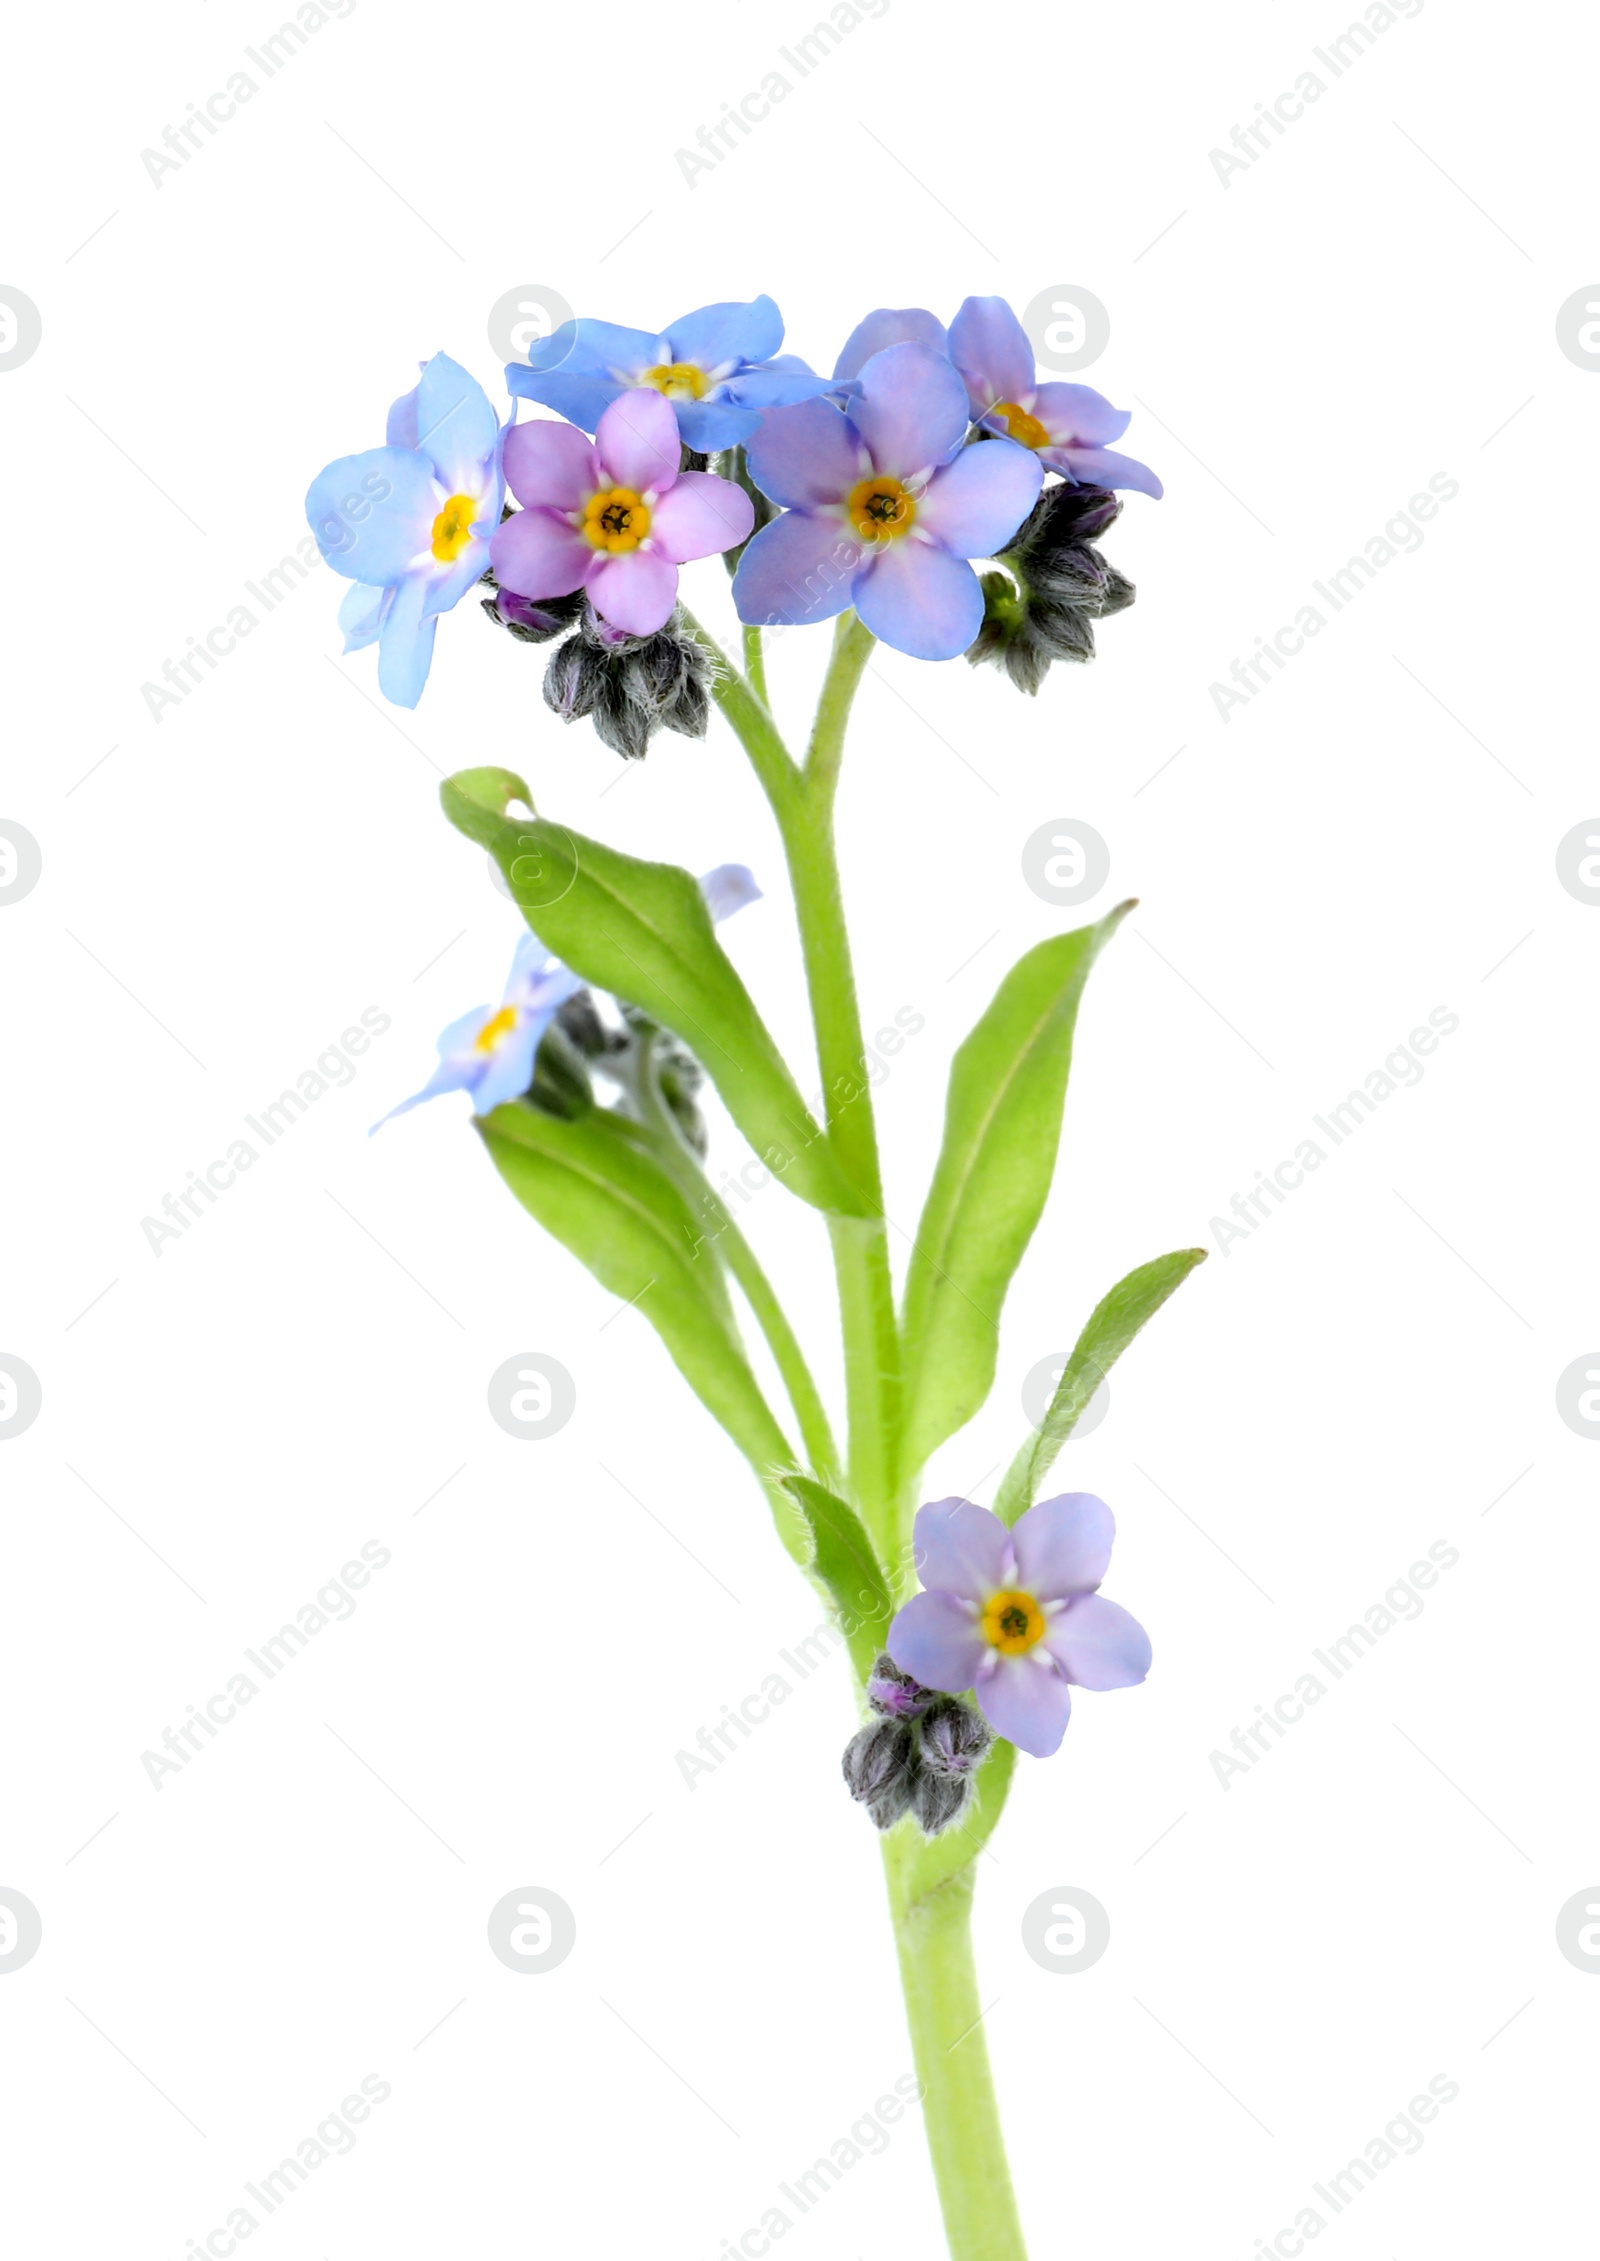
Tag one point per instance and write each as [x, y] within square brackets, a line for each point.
[911, 409]
[510, 1069]
[889, 325]
[456, 425]
[401, 428]
[587, 348]
[373, 513]
[921, 600]
[711, 424]
[405, 646]
[738, 331]
[361, 613]
[457, 1074]
[775, 388]
[796, 571]
[581, 397]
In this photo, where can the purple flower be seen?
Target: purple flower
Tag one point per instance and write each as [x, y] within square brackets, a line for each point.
[719, 367]
[1014, 1615]
[612, 515]
[883, 506]
[1067, 426]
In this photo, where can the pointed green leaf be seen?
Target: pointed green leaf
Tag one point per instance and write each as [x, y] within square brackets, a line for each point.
[596, 1187]
[642, 931]
[1113, 1323]
[1008, 1086]
[847, 1563]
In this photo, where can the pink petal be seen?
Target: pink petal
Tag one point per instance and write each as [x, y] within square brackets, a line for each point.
[637, 441]
[1098, 1645]
[635, 592]
[537, 554]
[700, 516]
[937, 1641]
[960, 1549]
[1029, 1704]
[551, 463]
[1064, 1545]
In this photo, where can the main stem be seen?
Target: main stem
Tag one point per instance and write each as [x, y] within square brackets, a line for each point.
[933, 1935]
[932, 1925]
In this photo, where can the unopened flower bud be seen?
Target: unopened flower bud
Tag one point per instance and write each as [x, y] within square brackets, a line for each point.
[955, 1740]
[879, 1767]
[630, 686]
[938, 1800]
[1054, 585]
[532, 620]
[893, 1694]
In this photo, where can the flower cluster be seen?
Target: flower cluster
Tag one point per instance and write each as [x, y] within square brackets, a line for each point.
[873, 488]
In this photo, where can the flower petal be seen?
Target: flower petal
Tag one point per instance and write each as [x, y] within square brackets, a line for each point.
[708, 425]
[911, 409]
[992, 351]
[401, 427]
[637, 441]
[920, 599]
[937, 1642]
[1098, 1645]
[1102, 467]
[975, 504]
[551, 463]
[806, 455]
[635, 592]
[510, 1067]
[373, 513]
[581, 395]
[701, 516]
[1064, 1545]
[734, 330]
[456, 425]
[728, 889]
[1029, 1704]
[405, 643]
[1078, 413]
[798, 570]
[885, 326]
[361, 615]
[590, 348]
[775, 388]
[537, 554]
[960, 1549]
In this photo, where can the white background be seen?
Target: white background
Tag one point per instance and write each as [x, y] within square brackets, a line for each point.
[1370, 303]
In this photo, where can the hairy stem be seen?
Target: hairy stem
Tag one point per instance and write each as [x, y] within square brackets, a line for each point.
[933, 1934]
[742, 1261]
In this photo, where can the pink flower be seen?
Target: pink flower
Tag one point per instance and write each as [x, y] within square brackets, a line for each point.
[614, 515]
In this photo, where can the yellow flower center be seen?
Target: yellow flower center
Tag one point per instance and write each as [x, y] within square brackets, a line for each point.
[616, 519]
[880, 509]
[679, 380]
[497, 1026]
[452, 529]
[1013, 1623]
[1020, 425]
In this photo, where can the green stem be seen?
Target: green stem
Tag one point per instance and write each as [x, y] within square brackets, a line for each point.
[933, 1935]
[741, 1259]
[755, 664]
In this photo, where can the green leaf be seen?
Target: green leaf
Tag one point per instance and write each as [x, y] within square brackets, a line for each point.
[847, 1563]
[1113, 1323]
[1002, 1126]
[642, 931]
[596, 1187]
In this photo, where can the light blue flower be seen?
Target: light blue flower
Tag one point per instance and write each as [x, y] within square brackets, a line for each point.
[409, 523]
[491, 1050]
[719, 367]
